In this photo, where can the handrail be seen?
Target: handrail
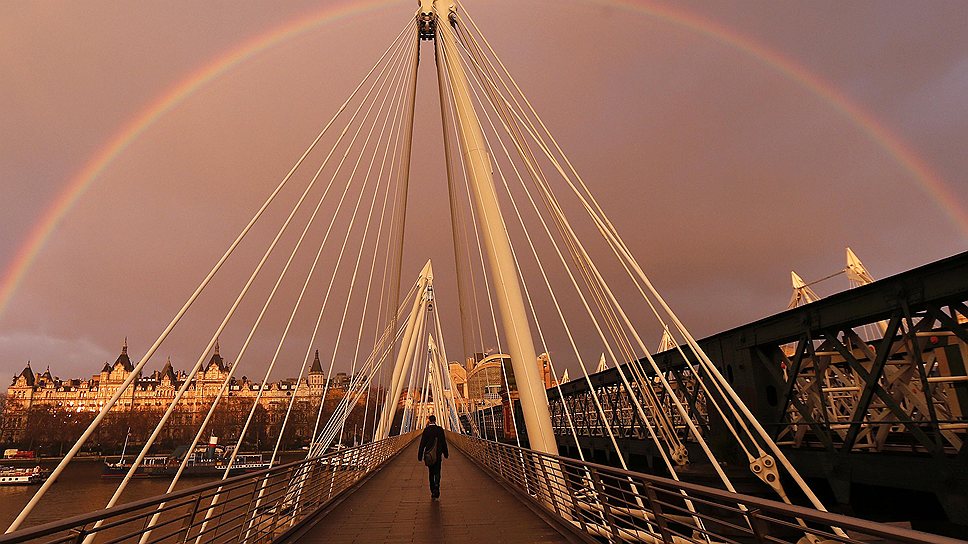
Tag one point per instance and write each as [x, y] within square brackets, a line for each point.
[621, 505]
[290, 493]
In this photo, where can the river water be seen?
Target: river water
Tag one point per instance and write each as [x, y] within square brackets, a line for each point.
[79, 490]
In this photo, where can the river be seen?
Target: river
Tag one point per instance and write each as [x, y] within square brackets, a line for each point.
[80, 489]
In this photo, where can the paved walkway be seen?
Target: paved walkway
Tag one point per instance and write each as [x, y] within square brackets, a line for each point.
[395, 506]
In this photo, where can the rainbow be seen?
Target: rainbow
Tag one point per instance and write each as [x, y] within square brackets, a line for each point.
[173, 96]
[907, 158]
[164, 103]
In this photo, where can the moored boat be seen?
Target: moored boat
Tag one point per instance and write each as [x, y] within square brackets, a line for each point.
[205, 460]
[22, 476]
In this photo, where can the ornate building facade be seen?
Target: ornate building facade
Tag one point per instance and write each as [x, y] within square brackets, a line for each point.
[154, 392]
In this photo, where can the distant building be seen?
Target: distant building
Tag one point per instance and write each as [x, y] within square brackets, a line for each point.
[485, 379]
[154, 391]
[489, 390]
[482, 379]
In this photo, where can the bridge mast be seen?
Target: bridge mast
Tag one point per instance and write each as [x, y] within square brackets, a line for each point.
[408, 348]
[504, 273]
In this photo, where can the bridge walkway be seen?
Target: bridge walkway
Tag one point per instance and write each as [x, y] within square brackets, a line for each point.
[395, 506]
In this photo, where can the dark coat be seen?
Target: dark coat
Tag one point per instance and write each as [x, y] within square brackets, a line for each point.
[429, 434]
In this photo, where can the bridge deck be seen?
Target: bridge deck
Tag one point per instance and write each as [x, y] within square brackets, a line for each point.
[395, 506]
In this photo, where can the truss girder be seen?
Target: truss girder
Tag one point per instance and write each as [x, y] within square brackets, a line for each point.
[821, 387]
[812, 378]
[621, 415]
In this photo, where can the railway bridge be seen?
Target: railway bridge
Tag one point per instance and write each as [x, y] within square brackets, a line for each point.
[887, 412]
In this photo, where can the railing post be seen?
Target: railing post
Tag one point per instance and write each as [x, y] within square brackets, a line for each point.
[758, 525]
[81, 535]
[603, 502]
[191, 518]
[574, 500]
[332, 479]
[548, 486]
[657, 512]
[278, 511]
[249, 520]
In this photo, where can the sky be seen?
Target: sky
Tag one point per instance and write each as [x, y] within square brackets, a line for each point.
[729, 142]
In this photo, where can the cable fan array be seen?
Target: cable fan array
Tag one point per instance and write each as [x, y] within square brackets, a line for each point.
[342, 208]
[571, 257]
[341, 211]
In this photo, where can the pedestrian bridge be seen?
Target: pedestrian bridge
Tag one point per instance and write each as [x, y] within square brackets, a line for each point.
[573, 287]
[490, 492]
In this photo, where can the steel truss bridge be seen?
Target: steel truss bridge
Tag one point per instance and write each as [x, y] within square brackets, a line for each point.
[537, 260]
[846, 409]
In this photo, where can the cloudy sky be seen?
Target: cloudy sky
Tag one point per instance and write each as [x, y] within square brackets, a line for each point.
[730, 142]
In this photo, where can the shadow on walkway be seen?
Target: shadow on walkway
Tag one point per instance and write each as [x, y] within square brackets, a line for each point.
[395, 506]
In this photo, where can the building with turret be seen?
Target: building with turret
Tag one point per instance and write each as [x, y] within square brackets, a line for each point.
[151, 392]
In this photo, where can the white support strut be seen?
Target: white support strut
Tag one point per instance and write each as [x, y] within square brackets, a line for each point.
[534, 401]
[405, 355]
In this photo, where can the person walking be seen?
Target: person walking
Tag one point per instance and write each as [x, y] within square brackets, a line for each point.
[433, 448]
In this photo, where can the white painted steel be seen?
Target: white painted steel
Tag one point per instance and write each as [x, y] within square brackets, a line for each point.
[534, 401]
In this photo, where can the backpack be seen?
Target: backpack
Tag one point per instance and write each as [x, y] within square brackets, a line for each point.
[430, 456]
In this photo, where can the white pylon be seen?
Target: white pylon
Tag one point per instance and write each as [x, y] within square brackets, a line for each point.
[602, 365]
[666, 342]
[504, 273]
[856, 271]
[858, 275]
[802, 293]
[406, 353]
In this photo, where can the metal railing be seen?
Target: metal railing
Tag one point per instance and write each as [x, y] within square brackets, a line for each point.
[251, 508]
[609, 504]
